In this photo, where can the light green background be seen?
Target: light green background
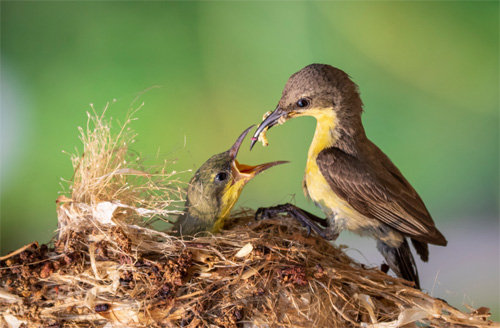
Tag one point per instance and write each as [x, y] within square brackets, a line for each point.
[427, 71]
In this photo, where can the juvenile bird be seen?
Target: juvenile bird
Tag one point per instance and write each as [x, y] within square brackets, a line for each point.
[214, 189]
[355, 184]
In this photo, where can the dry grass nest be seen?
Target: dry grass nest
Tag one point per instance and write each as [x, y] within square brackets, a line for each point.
[109, 267]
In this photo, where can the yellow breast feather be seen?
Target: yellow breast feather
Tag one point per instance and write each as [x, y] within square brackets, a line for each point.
[316, 185]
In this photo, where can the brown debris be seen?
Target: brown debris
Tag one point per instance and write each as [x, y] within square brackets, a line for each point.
[46, 270]
[230, 317]
[296, 275]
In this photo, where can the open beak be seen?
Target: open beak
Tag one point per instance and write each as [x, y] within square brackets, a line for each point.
[247, 172]
[243, 171]
[269, 122]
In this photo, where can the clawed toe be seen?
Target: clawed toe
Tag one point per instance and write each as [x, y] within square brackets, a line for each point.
[261, 214]
[307, 220]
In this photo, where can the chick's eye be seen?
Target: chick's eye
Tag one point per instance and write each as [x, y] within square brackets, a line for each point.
[221, 176]
[303, 102]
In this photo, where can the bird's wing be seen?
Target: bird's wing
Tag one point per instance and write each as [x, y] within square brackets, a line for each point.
[380, 192]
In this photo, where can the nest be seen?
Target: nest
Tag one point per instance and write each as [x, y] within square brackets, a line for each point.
[110, 266]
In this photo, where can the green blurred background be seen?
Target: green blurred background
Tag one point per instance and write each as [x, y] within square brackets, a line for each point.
[428, 74]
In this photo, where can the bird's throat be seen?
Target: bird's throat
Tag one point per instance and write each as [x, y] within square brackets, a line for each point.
[230, 196]
[325, 135]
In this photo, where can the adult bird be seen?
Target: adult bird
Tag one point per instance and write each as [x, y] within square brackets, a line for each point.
[214, 189]
[355, 184]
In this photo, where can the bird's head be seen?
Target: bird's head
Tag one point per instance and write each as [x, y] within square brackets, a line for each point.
[216, 186]
[318, 90]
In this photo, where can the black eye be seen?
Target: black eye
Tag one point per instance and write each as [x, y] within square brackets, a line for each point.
[221, 176]
[303, 102]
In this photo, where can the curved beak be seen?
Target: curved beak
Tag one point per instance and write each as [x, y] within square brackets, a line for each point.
[236, 147]
[243, 171]
[268, 123]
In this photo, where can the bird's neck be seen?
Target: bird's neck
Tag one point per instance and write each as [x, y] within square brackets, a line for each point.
[325, 135]
[196, 218]
[228, 200]
[209, 215]
[329, 134]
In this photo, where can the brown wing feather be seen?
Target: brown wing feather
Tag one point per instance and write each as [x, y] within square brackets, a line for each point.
[380, 192]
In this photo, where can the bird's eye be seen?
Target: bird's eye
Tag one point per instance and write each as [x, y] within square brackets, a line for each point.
[221, 176]
[303, 102]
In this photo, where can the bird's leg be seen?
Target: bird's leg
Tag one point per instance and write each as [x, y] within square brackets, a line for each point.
[308, 220]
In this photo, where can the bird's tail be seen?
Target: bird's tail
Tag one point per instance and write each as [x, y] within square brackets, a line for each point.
[401, 261]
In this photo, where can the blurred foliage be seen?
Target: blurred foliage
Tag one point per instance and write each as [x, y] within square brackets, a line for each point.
[427, 71]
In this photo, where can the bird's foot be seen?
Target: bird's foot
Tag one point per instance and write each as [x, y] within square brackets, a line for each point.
[264, 213]
[384, 267]
[308, 220]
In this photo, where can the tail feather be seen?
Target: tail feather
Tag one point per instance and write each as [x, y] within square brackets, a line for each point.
[401, 261]
[422, 249]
